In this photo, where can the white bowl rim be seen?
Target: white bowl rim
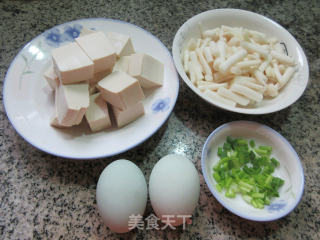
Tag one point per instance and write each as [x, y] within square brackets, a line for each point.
[217, 195]
[251, 111]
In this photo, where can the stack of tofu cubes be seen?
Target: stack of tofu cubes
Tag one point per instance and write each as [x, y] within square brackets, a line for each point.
[97, 70]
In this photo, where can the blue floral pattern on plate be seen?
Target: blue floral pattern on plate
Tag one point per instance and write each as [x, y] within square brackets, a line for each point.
[73, 32]
[55, 36]
[161, 105]
[277, 206]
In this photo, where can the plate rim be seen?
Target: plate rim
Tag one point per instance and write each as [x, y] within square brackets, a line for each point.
[78, 157]
[247, 111]
[217, 195]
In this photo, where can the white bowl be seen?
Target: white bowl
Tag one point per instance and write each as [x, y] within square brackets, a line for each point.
[290, 170]
[237, 18]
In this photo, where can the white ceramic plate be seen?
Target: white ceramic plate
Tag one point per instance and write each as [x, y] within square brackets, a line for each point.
[29, 103]
[237, 18]
[290, 169]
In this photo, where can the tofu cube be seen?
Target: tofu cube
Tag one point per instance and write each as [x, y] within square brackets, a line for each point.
[54, 120]
[71, 102]
[99, 49]
[123, 117]
[97, 77]
[92, 89]
[51, 77]
[71, 64]
[121, 90]
[97, 114]
[148, 70]
[55, 123]
[122, 43]
[122, 64]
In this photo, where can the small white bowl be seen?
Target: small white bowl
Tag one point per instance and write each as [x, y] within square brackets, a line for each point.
[237, 18]
[290, 170]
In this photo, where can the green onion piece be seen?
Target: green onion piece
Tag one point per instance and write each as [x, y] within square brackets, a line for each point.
[247, 198]
[216, 176]
[231, 141]
[261, 152]
[267, 200]
[257, 203]
[216, 168]
[242, 142]
[221, 152]
[226, 146]
[230, 193]
[246, 185]
[268, 169]
[257, 195]
[219, 188]
[222, 183]
[228, 182]
[266, 148]
[268, 180]
[244, 189]
[277, 182]
[275, 162]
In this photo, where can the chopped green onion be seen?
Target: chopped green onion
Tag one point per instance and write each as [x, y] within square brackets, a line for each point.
[230, 193]
[268, 180]
[247, 198]
[267, 200]
[246, 169]
[261, 152]
[257, 203]
[246, 185]
[252, 144]
[257, 195]
[219, 188]
[226, 146]
[216, 176]
[275, 162]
